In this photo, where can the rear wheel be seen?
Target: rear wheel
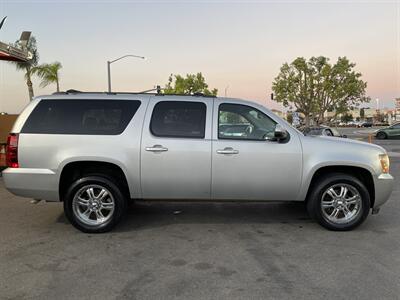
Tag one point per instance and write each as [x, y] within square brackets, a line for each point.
[94, 204]
[339, 202]
[381, 135]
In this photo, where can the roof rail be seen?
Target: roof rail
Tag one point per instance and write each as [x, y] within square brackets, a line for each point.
[72, 91]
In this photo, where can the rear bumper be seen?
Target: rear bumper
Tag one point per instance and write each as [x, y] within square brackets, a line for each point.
[32, 183]
[383, 188]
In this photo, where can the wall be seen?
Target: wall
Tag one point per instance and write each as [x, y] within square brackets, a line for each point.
[6, 123]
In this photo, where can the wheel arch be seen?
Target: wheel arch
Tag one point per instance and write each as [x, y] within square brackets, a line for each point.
[72, 170]
[363, 174]
[382, 132]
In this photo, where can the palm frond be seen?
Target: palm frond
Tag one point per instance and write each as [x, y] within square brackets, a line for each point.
[48, 73]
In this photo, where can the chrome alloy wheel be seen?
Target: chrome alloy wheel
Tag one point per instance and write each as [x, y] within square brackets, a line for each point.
[93, 205]
[341, 203]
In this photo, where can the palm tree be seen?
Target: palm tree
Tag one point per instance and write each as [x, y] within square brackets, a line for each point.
[49, 73]
[27, 66]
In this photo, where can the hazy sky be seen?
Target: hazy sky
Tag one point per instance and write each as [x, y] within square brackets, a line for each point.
[236, 44]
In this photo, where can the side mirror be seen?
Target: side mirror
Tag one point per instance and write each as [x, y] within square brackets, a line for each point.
[344, 136]
[280, 133]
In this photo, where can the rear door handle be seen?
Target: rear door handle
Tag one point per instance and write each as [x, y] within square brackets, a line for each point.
[156, 148]
[228, 150]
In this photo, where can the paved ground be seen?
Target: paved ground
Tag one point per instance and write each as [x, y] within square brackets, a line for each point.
[207, 251]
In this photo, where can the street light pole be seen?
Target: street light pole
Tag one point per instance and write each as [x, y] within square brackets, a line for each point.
[109, 76]
[226, 90]
[113, 61]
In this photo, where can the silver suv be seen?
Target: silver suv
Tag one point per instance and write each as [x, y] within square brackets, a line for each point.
[96, 151]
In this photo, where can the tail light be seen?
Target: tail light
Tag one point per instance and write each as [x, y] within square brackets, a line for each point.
[12, 151]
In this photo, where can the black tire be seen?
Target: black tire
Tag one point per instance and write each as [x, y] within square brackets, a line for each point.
[118, 197]
[322, 185]
[381, 135]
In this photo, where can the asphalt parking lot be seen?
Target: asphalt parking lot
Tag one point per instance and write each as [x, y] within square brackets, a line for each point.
[200, 251]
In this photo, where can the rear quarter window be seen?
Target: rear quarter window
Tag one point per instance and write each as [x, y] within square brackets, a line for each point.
[92, 117]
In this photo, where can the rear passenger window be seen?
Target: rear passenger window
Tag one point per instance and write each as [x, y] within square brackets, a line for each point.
[179, 119]
[95, 117]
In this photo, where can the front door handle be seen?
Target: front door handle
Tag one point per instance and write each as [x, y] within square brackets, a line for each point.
[228, 150]
[156, 148]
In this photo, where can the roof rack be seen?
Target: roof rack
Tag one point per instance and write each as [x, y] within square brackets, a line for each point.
[158, 93]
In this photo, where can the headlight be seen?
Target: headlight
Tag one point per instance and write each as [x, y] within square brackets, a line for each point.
[384, 159]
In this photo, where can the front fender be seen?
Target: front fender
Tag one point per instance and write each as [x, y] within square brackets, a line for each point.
[309, 175]
[335, 152]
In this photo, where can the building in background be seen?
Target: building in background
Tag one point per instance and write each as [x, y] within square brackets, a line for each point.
[369, 113]
[6, 124]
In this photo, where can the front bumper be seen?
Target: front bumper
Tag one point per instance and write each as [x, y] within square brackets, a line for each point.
[32, 183]
[383, 188]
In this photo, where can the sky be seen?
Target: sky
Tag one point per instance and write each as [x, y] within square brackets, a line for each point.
[239, 46]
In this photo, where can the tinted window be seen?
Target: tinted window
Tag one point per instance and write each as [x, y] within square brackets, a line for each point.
[98, 117]
[244, 122]
[179, 119]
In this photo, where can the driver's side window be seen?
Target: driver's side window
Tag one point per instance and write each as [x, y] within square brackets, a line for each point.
[242, 122]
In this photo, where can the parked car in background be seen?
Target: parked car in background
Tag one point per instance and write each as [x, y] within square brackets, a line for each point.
[391, 132]
[95, 152]
[322, 130]
[381, 124]
[366, 124]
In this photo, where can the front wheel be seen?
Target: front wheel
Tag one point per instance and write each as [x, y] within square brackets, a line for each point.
[339, 202]
[94, 204]
[381, 135]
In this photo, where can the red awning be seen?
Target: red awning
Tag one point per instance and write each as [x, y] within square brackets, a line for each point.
[9, 57]
[10, 53]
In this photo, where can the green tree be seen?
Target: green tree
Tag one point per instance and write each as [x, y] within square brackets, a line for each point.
[315, 86]
[49, 73]
[30, 64]
[191, 84]
[380, 117]
[346, 117]
[289, 117]
[362, 113]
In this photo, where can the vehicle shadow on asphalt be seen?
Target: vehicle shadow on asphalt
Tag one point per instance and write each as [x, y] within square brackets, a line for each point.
[151, 215]
[143, 215]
